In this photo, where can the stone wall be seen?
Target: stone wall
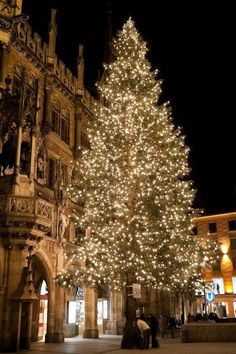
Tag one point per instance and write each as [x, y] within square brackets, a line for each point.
[209, 332]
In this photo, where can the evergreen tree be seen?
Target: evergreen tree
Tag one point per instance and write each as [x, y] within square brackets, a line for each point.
[134, 183]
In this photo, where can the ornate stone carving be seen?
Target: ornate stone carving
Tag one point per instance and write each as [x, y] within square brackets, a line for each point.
[21, 205]
[3, 203]
[44, 209]
[5, 24]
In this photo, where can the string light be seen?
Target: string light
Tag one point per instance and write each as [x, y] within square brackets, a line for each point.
[135, 185]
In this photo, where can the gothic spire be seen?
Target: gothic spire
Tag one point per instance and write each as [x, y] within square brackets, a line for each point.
[108, 57]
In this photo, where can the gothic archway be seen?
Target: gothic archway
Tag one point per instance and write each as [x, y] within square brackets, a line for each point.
[44, 288]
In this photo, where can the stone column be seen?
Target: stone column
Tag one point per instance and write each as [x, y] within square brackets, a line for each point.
[50, 317]
[3, 64]
[32, 155]
[56, 313]
[90, 323]
[116, 314]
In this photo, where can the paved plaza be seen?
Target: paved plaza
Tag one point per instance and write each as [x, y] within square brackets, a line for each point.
[111, 345]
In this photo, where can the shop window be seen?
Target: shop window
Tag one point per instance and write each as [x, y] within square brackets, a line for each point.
[103, 310]
[234, 284]
[212, 228]
[218, 286]
[232, 225]
[71, 311]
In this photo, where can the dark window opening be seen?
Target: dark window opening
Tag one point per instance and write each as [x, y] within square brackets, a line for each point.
[212, 228]
[232, 225]
[51, 173]
[85, 140]
[233, 243]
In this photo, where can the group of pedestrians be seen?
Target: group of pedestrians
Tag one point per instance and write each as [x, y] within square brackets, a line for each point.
[144, 330]
[139, 335]
[148, 327]
[166, 324]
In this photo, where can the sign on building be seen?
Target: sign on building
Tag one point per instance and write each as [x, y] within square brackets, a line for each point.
[210, 296]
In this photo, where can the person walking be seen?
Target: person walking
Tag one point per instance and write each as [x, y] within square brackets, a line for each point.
[172, 325]
[145, 331]
[162, 325]
[153, 324]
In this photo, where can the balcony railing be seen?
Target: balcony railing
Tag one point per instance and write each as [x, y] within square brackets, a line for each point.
[26, 207]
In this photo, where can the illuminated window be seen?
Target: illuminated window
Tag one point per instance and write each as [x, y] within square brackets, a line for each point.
[71, 311]
[234, 284]
[218, 286]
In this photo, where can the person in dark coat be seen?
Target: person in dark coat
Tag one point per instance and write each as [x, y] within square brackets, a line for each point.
[132, 338]
[172, 325]
[153, 324]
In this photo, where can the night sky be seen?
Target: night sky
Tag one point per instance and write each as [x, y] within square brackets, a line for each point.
[192, 44]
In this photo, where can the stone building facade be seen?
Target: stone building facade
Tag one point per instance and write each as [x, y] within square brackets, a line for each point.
[44, 110]
[220, 280]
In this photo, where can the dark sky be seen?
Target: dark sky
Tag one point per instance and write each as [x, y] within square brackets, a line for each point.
[192, 45]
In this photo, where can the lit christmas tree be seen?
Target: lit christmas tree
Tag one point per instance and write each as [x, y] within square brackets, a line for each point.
[134, 184]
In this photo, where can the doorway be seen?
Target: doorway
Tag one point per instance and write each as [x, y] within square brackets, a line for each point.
[43, 310]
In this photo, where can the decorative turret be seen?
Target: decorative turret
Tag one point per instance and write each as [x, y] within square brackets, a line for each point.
[108, 54]
[108, 58]
[80, 71]
[52, 38]
[8, 10]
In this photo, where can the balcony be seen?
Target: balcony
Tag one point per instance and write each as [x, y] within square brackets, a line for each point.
[25, 218]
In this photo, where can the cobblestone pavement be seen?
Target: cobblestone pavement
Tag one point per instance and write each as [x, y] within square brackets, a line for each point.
[111, 345]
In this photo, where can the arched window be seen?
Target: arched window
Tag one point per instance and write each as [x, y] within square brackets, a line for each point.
[56, 117]
[84, 141]
[64, 126]
[60, 121]
[17, 79]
